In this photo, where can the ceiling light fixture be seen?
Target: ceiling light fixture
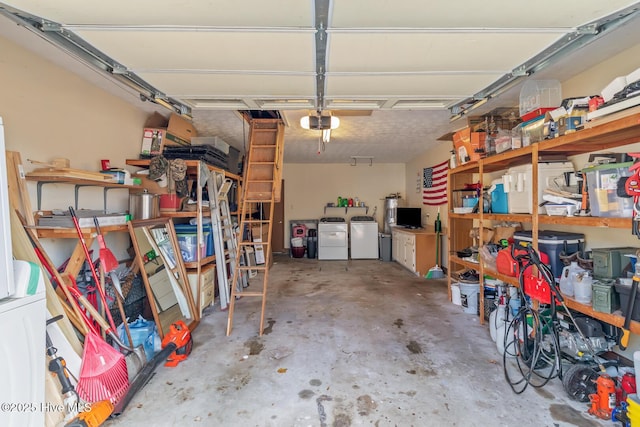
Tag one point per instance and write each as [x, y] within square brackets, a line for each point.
[319, 122]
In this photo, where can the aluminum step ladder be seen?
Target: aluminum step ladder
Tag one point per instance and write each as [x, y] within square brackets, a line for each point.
[224, 237]
[261, 190]
[230, 233]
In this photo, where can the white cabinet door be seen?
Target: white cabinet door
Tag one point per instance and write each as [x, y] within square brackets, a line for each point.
[397, 248]
[22, 352]
[410, 253]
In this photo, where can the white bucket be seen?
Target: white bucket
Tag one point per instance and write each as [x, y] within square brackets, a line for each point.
[496, 319]
[297, 242]
[455, 294]
[469, 297]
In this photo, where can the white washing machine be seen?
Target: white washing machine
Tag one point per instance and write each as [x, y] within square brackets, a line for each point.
[333, 238]
[364, 237]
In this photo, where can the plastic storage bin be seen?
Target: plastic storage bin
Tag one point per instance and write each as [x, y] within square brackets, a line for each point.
[189, 247]
[499, 201]
[538, 97]
[550, 175]
[188, 229]
[553, 243]
[533, 131]
[385, 246]
[624, 290]
[602, 185]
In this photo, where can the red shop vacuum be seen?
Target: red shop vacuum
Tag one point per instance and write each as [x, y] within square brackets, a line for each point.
[180, 337]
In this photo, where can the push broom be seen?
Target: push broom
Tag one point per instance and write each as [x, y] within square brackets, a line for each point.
[436, 272]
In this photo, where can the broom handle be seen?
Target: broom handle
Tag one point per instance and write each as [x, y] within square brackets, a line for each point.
[124, 318]
[103, 298]
[56, 274]
[101, 321]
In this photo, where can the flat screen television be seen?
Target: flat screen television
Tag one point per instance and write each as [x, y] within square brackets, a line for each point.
[409, 217]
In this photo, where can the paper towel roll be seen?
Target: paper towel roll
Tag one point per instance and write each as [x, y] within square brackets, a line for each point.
[506, 183]
[520, 183]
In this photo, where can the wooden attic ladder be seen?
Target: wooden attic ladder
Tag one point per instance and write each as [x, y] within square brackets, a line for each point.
[261, 190]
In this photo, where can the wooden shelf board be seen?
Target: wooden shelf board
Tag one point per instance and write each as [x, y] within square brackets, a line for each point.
[613, 318]
[71, 233]
[191, 167]
[468, 216]
[181, 214]
[610, 134]
[203, 261]
[513, 281]
[77, 181]
[508, 217]
[587, 221]
[468, 264]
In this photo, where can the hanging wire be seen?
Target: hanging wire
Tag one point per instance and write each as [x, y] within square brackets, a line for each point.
[531, 344]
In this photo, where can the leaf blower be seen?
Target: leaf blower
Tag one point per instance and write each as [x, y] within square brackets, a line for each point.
[179, 336]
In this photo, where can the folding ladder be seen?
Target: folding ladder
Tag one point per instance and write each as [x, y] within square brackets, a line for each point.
[224, 237]
[261, 189]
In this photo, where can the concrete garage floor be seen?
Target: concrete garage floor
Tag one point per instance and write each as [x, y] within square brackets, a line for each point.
[347, 343]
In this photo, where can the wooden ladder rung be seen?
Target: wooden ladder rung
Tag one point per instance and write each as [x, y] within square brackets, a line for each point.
[260, 163]
[260, 267]
[251, 294]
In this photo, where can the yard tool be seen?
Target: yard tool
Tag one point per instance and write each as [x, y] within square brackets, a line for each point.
[107, 258]
[135, 356]
[436, 272]
[103, 297]
[179, 335]
[143, 377]
[624, 337]
[58, 367]
[632, 188]
[103, 374]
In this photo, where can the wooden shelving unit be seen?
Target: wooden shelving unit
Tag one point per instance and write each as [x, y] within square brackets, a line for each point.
[615, 133]
[193, 173]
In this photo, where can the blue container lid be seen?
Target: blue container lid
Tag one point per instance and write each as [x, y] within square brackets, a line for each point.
[189, 228]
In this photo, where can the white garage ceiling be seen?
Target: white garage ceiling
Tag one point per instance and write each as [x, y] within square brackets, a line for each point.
[410, 63]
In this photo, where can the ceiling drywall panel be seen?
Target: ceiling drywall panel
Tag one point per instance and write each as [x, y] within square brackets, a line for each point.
[229, 13]
[470, 14]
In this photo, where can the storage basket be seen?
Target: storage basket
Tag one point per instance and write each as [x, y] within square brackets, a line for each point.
[134, 296]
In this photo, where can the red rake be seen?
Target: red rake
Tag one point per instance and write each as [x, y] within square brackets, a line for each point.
[103, 373]
[107, 258]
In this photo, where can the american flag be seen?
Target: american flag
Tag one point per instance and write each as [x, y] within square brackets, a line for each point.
[434, 184]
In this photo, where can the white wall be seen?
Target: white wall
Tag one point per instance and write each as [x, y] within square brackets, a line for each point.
[309, 187]
[49, 112]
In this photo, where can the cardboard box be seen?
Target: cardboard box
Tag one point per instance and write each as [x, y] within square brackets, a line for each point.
[468, 145]
[158, 133]
[259, 249]
[569, 124]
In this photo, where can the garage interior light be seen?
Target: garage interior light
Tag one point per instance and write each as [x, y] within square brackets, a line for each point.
[319, 122]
